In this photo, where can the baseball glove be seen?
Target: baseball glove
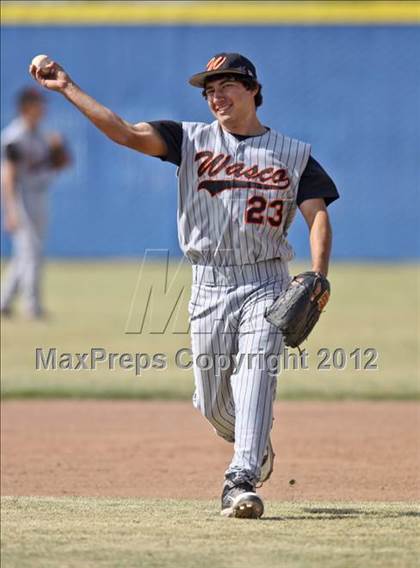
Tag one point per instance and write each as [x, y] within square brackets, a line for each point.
[296, 311]
[59, 156]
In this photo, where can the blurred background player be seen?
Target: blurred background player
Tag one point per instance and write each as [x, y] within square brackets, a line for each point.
[30, 159]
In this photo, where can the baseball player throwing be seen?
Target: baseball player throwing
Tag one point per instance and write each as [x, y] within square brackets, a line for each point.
[239, 186]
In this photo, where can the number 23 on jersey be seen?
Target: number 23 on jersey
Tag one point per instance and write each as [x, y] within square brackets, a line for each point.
[259, 211]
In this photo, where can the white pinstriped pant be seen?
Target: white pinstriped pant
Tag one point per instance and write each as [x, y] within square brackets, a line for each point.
[227, 319]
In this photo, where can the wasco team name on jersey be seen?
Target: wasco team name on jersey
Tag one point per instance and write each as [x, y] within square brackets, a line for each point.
[240, 175]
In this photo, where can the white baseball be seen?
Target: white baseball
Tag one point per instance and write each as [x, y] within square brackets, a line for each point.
[41, 61]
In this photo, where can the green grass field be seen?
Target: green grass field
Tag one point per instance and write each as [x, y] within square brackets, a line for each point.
[93, 304]
[158, 533]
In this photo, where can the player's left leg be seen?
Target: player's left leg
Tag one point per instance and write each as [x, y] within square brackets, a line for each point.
[31, 273]
[253, 390]
[254, 385]
[33, 214]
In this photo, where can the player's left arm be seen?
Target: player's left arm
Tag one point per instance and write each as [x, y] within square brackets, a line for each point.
[320, 234]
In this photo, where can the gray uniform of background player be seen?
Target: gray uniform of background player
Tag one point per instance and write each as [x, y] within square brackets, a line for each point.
[30, 152]
[237, 198]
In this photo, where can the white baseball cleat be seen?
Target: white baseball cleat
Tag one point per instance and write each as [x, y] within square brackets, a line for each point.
[241, 501]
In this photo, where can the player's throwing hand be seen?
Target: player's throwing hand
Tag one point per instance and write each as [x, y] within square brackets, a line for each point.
[51, 75]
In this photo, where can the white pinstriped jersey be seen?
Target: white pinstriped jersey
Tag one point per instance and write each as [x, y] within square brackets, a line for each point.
[237, 198]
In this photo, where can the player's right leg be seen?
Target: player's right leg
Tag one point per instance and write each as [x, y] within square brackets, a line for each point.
[10, 285]
[212, 340]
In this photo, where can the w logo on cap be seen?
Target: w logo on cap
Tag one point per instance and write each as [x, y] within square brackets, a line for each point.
[216, 62]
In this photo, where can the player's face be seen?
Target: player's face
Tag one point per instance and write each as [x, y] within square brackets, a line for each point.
[33, 112]
[229, 100]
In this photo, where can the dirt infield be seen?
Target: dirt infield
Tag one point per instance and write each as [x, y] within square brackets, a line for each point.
[334, 451]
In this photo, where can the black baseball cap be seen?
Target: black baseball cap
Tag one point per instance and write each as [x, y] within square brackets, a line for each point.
[30, 95]
[229, 63]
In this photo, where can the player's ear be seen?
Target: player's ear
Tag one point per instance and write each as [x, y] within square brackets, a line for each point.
[256, 87]
[252, 86]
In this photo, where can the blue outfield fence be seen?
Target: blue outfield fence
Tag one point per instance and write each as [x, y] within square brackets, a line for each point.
[352, 92]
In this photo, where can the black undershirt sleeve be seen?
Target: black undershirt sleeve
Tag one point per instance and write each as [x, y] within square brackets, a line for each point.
[12, 153]
[315, 183]
[171, 132]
